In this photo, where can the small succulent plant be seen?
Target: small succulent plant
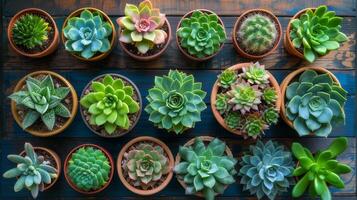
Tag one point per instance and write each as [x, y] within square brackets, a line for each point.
[315, 103]
[145, 165]
[222, 103]
[271, 116]
[267, 169]
[109, 103]
[41, 100]
[175, 102]
[255, 125]
[269, 95]
[257, 34]
[233, 120]
[88, 168]
[256, 74]
[227, 78]
[317, 32]
[206, 169]
[201, 34]
[87, 34]
[142, 26]
[318, 171]
[32, 171]
[30, 31]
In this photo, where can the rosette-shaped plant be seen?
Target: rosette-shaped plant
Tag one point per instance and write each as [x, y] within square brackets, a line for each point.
[254, 126]
[256, 74]
[227, 78]
[271, 116]
[87, 34]
[201, 34]
[30, 31]
[145, 165]
[267, 170]
[142, 26]
[88, 169]
[257, 34]
[222, 103]
[318, 171]
[206, 169]
[317, 32]
[109, 103]
[32, 171]
[269, 95]
[233, 120]
[41, 100]
[315, 103]
[175, 102]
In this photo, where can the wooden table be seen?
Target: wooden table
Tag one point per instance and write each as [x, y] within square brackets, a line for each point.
[341, 62]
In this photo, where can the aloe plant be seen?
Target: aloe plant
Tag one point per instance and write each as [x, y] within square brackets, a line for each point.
[318, 171]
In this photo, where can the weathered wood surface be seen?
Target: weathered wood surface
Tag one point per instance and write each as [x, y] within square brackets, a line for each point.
[342, 63]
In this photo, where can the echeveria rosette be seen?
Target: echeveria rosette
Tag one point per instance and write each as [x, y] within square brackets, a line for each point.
[175, 102]
[109, 103]
[87, 34]
[266, 170]
[269, 95]
[256, 74]
[201, 34]
[142, 26]
[317, 32]
[206, 169]
[254, 126]
[233, 120]
[227, 78]
[271, 115]
[315, 103]
[222, 103]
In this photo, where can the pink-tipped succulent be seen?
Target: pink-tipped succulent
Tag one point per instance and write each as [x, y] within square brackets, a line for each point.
[142, 25]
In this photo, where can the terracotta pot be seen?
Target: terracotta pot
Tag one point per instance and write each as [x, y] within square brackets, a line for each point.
[112, 38]
[237, 24]
[184, 52]
[68, 179]
[73, 111]
[121, 173]
[205, 139]
[149, 57]
[136, 89]
[54, 43]
[291, 78]
[217, 115]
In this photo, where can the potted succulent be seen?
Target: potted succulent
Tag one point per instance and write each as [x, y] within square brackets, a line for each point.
[88, 169]
[205, 167]
[88, 34]
[33, 33]
[256, 33]
[200, 34]
[110, 105]
[266, 170]
[144, 32]
[313, 101]
[145, 165]
[175, 102]
[44, 103]
[313, 32]
[246, 99]
[319, 171]
[37, 169]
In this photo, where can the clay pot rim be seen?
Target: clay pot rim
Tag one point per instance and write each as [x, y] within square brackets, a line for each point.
[69, 181]
[120, 170]
[238, 22]
[99, 55]
[46, 51]
[178, 42]
[74, 109]
[136, 89]
[150, 57]
[290, 77]
[238, 67]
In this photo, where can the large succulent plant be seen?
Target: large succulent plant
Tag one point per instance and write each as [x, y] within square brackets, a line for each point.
[145, 165]
[41, 100]
[319, 171]
[142, 26]
[315, 103]
[317, 32]
[32, 171]
[267, 170]
[206, 169]
[175, 102]
[30, 31]
[109, 103]
[87, 34]
[88, 168]
[201, 34]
